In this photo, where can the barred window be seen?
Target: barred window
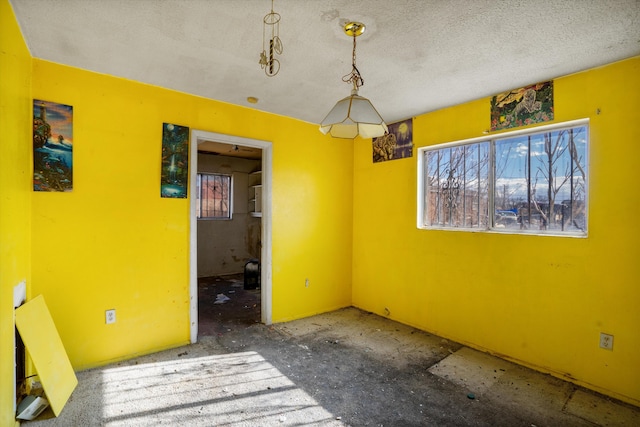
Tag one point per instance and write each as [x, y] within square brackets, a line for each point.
[457, 186]
[213, 199]
[520, 182]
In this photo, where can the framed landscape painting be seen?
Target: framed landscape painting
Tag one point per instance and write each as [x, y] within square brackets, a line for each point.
[52, 146]
[395, 144]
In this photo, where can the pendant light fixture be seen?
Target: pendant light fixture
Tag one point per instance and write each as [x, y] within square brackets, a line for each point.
[353, 115]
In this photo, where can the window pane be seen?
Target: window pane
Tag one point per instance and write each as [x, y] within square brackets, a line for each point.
[540, 181]
[456, 186]
[535, 182]
[511, 181]
[198, 187]
[476, 185]
[214, 193]
[576, 218]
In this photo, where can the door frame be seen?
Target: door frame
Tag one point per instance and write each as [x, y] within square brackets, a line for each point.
[198, 136]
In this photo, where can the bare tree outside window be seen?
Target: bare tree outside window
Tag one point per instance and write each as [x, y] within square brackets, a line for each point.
[457, 183]
[537, 182]
[542, 179]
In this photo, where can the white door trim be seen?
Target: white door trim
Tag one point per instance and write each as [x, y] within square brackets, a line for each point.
[198, 136]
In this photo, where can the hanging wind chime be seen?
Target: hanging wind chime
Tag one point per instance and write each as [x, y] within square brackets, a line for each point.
[271, 43]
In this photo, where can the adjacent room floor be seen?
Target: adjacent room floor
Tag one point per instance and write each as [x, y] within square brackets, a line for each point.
[223, 303]
[348, 367]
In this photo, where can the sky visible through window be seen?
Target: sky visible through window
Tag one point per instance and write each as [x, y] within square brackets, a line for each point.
[537, 181]
[548, 158]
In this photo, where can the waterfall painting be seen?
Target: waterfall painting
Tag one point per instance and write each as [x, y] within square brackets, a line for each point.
[175, 161]
[52, 146]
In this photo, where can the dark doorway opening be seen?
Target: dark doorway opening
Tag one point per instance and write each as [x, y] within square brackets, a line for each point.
[226, 246]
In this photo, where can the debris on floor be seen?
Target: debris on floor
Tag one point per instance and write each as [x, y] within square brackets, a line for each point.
[221, 299]
[288, 374]
[30, 407]
[215, 318]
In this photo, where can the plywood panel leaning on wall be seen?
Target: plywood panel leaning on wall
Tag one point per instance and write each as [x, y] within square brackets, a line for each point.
[49, 357]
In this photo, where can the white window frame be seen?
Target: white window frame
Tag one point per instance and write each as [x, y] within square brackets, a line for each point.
[199, 198]
[421, 184]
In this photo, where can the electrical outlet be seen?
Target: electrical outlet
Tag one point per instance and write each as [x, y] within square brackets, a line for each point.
[606, 341]
[306, 283]
[110, 316]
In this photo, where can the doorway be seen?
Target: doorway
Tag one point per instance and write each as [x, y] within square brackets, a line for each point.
[202, 139]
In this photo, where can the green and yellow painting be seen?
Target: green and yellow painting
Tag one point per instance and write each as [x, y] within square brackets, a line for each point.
[523, 106]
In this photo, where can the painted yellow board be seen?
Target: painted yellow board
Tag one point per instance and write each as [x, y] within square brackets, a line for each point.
[49, 357]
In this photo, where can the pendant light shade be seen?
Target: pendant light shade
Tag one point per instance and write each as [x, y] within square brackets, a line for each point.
[354, 115]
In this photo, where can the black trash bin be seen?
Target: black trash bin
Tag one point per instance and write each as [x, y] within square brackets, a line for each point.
[252, 274]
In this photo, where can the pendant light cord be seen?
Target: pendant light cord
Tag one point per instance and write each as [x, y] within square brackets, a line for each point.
[354, 76]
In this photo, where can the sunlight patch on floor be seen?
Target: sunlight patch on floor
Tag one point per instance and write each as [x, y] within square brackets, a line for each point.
[230, 389]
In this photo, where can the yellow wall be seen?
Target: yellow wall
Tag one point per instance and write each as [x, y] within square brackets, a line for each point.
[542, 301]
[337, 218]
[114, 243]
[15, 185]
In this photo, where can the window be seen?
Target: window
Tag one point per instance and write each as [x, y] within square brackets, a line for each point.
[520, 182]
[213, 196]
[457, 186]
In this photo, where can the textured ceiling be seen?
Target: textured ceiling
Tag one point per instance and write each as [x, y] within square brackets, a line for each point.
[415, 56]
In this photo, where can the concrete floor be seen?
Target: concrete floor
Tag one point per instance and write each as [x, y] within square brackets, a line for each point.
[347, 367]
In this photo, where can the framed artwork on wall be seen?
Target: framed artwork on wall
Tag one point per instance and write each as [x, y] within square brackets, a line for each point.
[52, 146]
[396, 144]
[523, 106]
[174, 178]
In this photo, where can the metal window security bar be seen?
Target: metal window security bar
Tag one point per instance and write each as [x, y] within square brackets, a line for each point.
[455, 177]
[532, 181]
[214, 196]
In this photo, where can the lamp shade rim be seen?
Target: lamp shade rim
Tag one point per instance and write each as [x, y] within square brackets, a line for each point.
[350, 115]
